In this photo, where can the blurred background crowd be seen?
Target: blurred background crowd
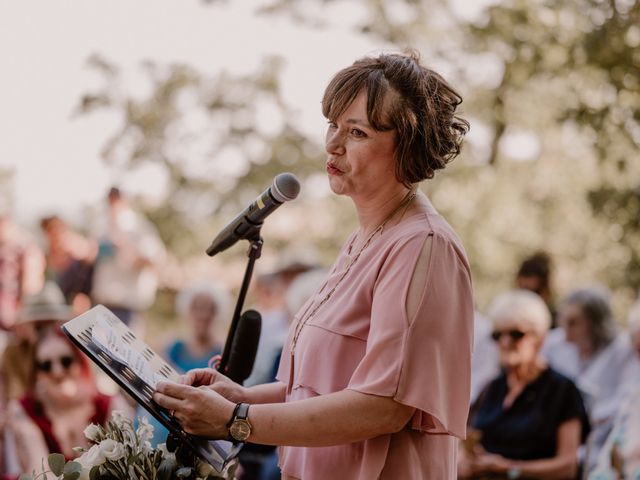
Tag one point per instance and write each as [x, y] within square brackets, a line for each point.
[555, 381]
[545, 196]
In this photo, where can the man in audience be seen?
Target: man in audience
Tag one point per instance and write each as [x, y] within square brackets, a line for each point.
[130, 253]
[534, 274]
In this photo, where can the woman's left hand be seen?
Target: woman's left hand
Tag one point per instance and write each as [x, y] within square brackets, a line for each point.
[490, 463]
[200, 410]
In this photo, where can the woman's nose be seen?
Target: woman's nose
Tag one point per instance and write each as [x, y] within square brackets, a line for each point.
[505, 342]
[334, 143]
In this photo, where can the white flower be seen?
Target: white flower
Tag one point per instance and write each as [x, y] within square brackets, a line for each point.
[145, 430]
[92, 432]
[112, 450]
[147, 448]
[119, 418]
[92, 457]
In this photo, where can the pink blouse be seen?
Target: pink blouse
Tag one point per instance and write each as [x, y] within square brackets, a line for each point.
[362, 340]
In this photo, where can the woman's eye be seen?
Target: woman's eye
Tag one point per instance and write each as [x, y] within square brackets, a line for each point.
[358, 133]
[332, 125]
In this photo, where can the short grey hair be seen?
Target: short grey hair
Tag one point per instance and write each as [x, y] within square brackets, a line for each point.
[595, 305]
[523, 307]
[218, 295]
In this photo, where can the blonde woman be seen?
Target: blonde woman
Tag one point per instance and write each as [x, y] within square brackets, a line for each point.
[530, 419]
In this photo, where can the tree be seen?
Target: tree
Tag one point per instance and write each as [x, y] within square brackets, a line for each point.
[552, 92]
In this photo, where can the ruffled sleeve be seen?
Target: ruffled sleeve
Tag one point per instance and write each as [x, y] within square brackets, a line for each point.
[423, 361]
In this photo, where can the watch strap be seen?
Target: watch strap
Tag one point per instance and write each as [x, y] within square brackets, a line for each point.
[241, 411]
[234, 414]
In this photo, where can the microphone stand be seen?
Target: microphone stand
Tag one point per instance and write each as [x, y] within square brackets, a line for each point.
[254, 252]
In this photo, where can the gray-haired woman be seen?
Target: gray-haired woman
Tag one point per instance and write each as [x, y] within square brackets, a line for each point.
[588, 349]
[514, 441]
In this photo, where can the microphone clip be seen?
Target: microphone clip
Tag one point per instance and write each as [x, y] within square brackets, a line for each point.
[255, 246]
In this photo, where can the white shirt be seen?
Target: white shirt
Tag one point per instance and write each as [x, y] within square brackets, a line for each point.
[604, 379]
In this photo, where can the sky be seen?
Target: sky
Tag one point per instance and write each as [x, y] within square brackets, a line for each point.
[45, 45]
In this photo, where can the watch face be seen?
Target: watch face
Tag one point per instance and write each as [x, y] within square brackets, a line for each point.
[240, 429]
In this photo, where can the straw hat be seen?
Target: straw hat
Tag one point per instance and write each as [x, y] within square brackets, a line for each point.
[48, 304]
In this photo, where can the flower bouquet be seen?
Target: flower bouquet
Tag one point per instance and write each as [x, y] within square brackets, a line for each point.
[120, 452]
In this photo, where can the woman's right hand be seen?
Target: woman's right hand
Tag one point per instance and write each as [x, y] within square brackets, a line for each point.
[217, 382]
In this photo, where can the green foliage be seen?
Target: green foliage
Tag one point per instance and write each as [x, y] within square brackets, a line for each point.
[565, 75]
[571, 79]
[228, 144]
[120, 452]
[56, 463]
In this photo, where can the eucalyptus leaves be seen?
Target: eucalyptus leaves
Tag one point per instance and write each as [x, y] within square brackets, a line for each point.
[120, 452]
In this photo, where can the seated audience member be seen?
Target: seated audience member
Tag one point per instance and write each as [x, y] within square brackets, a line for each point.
[70, 258]
[530, 420]
[21, 268]
[60, 402]
[588, 349]
[39, 311]
[534, 274]
[201, 306]
[129, 261]
[620, 455]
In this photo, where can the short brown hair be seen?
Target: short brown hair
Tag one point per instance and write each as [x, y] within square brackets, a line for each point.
[421, 109]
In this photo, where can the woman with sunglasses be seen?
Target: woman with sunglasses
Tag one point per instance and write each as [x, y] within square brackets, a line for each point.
[530, 420]
[62, 399]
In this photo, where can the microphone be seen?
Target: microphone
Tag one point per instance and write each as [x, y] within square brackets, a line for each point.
[285, 187]
[244, 346]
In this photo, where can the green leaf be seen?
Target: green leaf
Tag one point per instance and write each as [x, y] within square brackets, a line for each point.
[71, 476]
[94, 473]
[25, 476]
[72, 467]
[56, 463]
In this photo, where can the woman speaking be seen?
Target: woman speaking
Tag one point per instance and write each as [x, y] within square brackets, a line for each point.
[374, 377]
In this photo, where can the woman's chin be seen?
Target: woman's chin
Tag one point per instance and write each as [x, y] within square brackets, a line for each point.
[337, 185]
[63, 391]
[509, 363]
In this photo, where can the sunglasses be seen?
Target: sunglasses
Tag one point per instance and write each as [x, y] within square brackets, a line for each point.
[515, 335]
[65, 362]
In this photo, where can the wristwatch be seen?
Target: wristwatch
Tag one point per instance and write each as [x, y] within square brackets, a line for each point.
[239, 426]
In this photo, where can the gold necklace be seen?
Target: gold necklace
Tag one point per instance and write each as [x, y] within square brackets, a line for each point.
[304, 318]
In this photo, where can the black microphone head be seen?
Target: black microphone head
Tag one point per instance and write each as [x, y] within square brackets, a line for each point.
[244, 346]
[285, 187]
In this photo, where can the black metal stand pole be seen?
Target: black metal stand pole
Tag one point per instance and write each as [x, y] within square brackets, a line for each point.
[255, 250]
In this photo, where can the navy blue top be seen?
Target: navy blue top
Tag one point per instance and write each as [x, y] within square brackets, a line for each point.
[527, 430]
